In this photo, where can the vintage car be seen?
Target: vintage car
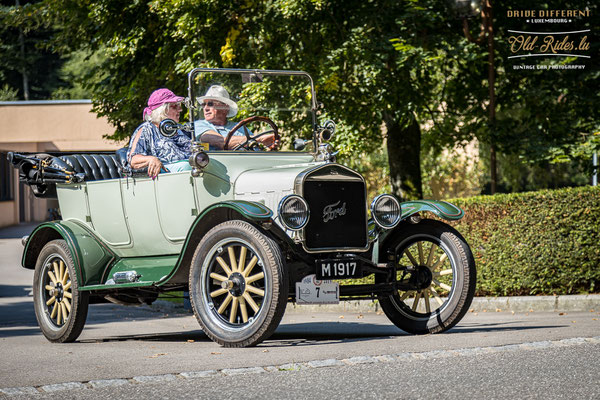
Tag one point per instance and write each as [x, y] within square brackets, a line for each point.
[245, 231]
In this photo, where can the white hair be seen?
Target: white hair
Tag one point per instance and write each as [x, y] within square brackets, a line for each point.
[157, 115]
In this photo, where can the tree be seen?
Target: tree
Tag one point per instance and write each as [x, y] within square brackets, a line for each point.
[398, 64]
[541, 115]
[364, 82]
[28, 68]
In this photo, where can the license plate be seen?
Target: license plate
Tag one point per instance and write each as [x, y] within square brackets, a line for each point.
[339, 268]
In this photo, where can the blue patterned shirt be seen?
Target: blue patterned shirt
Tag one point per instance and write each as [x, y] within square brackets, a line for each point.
[153, 143]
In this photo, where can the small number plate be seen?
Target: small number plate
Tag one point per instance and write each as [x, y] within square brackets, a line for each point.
[313, 291]
[339, 268]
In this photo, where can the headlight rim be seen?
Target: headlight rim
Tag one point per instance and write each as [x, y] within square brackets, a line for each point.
[374, 214]
[283, 201]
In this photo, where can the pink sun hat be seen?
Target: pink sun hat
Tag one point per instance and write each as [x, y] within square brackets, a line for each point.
[160, 97]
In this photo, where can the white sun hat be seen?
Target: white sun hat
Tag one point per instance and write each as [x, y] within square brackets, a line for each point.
[219, 93]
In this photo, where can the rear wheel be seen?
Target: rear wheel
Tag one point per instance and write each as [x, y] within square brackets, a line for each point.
[238, 289]
[60, 308]
[437, 261]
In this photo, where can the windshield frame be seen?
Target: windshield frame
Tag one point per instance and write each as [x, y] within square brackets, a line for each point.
[196, 71]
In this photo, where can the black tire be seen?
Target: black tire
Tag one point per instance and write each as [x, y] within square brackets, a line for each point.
[220, 286]
[438, 248]
[53, 295]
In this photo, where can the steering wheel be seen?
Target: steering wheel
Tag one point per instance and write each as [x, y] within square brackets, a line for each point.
[251, 142]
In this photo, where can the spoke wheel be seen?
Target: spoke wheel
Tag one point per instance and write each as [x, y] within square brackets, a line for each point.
[237, 286]
[61, 310]
[436, 260]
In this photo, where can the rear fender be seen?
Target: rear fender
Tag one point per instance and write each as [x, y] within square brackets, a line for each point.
[90, 255]
[253, 212]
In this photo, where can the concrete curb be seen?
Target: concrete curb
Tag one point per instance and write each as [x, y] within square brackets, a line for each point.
[571, 303]
[585, 302]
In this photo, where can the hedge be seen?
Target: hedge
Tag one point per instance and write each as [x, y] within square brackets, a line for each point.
[536, 243]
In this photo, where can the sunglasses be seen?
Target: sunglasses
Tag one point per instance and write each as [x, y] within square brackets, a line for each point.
[208, 104]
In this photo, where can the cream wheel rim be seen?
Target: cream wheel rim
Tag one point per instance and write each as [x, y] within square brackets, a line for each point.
[234, 284]
[57, 291]
[438, 261]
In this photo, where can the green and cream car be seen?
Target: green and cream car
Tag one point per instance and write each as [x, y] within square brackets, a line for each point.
[245, 231]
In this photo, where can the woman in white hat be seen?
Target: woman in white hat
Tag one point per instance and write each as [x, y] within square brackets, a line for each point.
[213, 129]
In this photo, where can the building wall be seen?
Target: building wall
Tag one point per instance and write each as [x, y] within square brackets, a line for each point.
[47, 126]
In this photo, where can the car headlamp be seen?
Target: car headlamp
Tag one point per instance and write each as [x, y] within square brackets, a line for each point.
[386, 211]
[199, 159]
[293, 212]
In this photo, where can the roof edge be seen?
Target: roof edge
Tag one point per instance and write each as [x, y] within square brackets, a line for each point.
[43, 102]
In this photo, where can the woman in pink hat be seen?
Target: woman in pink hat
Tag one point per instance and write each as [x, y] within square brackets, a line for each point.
[149, 148]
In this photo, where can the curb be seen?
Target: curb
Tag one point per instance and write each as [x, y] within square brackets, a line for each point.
[585, 302]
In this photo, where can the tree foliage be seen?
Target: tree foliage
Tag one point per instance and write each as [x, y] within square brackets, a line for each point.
[541, 115]
[398, 72]
[23, 45]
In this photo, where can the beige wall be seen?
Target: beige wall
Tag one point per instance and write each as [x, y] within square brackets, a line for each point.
[54, 127]
[44, 127]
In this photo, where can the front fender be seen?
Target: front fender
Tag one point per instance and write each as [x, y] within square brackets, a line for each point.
[90, 255]
[442, 209]
[251, 211]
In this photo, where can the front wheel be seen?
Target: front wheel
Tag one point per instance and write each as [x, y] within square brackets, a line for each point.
[435, 259]
[60, 308]
[238, 288]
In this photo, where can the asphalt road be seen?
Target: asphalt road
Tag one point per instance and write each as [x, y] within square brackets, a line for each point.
[127, 352]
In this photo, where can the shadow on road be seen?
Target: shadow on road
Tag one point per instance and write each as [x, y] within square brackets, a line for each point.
[18, 231]
[15, 290]
[490, 327]
[171, 337]
[16, 310]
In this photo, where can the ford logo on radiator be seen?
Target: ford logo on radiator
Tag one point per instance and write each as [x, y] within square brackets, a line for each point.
[332, 211]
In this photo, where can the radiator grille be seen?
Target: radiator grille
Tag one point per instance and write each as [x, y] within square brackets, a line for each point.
[338, 214]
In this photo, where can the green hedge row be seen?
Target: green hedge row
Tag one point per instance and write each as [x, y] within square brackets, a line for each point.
[536, 243]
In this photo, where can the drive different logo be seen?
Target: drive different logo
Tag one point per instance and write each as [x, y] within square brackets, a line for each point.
[542, 44]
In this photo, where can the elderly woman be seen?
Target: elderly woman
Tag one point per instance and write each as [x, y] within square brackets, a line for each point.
[149, 148]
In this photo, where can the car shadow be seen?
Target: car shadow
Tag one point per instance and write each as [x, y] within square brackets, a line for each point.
[319, 333]
[17, 318]
[171, 337]
[499, 327]
[17, 315]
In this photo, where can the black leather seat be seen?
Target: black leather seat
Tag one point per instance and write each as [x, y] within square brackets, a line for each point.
[94, 166]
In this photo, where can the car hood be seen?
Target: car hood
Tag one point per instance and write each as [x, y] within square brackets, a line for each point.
[269, 186]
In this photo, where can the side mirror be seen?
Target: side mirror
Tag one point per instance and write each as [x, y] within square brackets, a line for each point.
[169, 128]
